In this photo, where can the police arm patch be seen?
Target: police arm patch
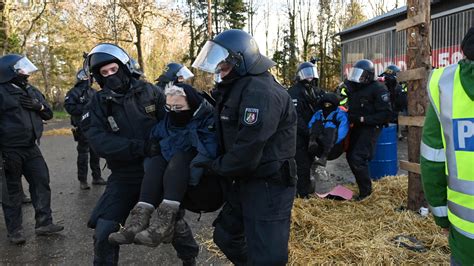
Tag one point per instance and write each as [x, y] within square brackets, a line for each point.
[386, 97]
[251, 116]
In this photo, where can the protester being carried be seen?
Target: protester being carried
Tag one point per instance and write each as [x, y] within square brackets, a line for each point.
[186, 136]
[328, 128]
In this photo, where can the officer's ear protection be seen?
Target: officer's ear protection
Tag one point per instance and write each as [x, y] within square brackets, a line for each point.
[237, 61]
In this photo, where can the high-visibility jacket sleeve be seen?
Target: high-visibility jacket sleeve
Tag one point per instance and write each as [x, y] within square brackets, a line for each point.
[433, 172]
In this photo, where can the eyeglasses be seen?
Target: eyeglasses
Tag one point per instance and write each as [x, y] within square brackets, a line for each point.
[175, 108]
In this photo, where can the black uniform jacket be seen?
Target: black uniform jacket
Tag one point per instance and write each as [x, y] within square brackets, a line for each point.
[76, 99]
[256, 125]
[117, 125]
[20, 127]
[372, 101]
[306, 106]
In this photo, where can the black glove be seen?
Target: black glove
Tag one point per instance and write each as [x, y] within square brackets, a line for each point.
[29, 103]
[152, 148]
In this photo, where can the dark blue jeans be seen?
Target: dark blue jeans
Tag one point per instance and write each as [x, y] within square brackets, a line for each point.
[30, 163]
[253, 227]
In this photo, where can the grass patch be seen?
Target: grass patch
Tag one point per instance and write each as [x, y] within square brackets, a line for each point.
[60, 115]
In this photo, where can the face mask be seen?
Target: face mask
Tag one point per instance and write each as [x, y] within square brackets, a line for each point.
[20, 80]
[117, 82]
[180, 119]
[306, 83]
[327, 109]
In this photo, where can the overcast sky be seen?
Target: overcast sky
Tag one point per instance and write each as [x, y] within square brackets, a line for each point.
[277, 17]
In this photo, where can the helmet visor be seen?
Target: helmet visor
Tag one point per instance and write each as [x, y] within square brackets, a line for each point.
[112, 50]
[210, 56]
[24, 66]
[185, 73]
[356, 75]
[308, 73]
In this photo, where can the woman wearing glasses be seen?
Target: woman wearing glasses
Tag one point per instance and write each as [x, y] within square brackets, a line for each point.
[186, 136]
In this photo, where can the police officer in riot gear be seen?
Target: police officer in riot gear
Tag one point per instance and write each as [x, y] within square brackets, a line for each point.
[306, 96]
[256, 123]
[75, 102]
[22, 111]
[395, 89]
[118, 125]
[175, 73]
[369, 110]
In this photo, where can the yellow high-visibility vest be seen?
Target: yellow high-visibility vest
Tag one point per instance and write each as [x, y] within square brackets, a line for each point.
[455, 112]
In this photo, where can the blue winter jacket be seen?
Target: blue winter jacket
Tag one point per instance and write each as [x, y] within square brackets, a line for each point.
[342, 122]
[199, 134]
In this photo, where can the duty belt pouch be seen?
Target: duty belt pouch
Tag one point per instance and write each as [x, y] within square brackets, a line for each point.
[288, 172]
[75, 133]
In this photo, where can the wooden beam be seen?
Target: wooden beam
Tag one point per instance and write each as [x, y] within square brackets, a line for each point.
[411, 22]
[414, 121]
[412, 74]
[418, 62]
[410, 167]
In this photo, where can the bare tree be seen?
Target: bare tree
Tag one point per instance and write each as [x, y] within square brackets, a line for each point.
[32, 24]
[138, 12]
[305, 25]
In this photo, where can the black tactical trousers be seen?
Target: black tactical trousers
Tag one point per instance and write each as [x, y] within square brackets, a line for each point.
[253, 227]
[361, 150]
[30, 163]
[304, 160]
[83, 159]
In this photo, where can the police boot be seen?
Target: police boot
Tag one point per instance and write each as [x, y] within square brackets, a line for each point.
[139, 220]
[161, 226]
[99, 181]
[17, 238]
[322, 161]
[84, 185]
[48, 229]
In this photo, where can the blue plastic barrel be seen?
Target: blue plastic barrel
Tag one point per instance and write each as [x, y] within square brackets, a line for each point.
[385, 160]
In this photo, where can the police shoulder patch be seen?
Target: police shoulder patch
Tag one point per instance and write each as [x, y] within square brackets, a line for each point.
[150, 108]
[385, 97]
[251, 116]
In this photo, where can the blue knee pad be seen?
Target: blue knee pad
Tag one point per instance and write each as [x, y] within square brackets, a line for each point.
[104, 252]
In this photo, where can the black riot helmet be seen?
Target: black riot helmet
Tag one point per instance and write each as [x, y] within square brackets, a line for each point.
[391, 70]
[106, 53]
[175, 72]
[308, 71]
[235, 47]
[362, 72]
[14, 65]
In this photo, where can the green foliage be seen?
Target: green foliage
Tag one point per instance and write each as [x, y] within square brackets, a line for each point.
[61, 115]
[233, 13]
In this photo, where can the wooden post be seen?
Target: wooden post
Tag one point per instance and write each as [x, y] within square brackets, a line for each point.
[418, 62]
[209, 19]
